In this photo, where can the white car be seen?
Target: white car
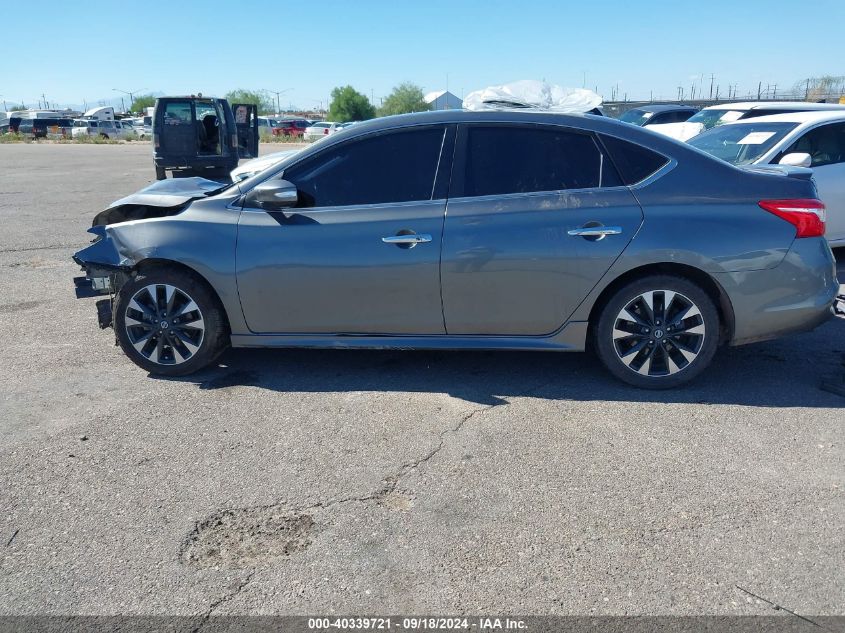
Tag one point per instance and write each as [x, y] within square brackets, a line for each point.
[138, 128]
[712, 116]
[321, 129]
[252, 167]
[799, 139]
[103, 129]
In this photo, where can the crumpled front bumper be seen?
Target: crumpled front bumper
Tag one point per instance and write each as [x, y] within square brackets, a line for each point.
[105, 273]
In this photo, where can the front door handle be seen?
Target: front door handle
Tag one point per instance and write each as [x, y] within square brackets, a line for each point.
[411, 239]
[595, 231]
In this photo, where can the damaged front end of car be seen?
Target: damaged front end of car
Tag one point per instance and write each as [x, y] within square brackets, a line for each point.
[108, 261]
[105, 273]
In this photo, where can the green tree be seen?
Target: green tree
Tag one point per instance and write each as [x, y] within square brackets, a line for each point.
[350, 105]
[406, 97]
[19, 108]
[141, 102]
[261, 98]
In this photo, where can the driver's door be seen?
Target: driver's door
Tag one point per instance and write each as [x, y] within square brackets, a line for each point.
[360, 253]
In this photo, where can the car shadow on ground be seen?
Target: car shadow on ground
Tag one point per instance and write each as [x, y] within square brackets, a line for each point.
[782, 373]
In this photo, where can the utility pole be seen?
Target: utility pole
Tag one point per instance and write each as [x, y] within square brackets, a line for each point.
[277, 93]
[775, 92]
[712, 77]
[131, 94]
[807, 91]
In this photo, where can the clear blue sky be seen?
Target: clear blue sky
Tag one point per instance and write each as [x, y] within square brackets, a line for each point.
[184, 46]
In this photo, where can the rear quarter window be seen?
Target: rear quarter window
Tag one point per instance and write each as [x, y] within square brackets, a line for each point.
[634, 162]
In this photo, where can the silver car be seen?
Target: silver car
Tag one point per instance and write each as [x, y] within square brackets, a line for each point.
[469, 230]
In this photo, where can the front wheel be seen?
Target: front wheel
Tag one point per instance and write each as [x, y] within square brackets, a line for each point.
[658, 332]
[169, 322]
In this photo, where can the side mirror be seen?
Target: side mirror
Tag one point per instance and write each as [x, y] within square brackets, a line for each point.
[273, 195]
[796, 159]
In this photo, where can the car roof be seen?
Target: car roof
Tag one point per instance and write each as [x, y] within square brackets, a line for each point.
[813, 116]
[587, 122]
[776, 105]
[663, 107]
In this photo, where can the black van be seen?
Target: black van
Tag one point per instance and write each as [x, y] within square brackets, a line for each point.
[202, 136]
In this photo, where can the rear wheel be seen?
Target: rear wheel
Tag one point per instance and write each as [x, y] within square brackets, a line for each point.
[169, 322]
[658, 332]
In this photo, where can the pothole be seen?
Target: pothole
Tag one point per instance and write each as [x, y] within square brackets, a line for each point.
[246, 537]
[397, 501]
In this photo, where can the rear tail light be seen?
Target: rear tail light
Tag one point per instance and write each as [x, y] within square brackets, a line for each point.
[156, 142]
[325, 130]
[807, 215]
[235, 141]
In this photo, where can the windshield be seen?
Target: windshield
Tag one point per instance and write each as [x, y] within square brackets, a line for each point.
[636, 116]
[712, 118]
[742, 143]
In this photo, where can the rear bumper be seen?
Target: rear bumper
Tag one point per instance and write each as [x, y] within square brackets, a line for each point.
[795, 296]
[188, 162]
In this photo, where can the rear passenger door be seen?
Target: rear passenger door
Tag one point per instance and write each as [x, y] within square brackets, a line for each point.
[536, 215]
[174, 122]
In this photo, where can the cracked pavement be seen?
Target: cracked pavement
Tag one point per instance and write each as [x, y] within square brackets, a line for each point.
[432, 482]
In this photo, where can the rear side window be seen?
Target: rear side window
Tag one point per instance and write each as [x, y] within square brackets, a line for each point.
[392, 167]
[503, 160]
[634, 162]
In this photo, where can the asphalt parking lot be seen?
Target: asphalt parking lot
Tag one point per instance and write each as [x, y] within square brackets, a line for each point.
[304, 482]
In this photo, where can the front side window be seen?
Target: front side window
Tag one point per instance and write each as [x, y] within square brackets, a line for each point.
[393, 167]
[523, 159]
[825, 145]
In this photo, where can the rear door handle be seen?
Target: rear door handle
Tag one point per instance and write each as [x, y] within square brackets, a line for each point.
[415, 238]
[595, 231]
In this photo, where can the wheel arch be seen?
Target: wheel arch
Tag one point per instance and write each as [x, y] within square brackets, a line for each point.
[153, 263]
[713, 289]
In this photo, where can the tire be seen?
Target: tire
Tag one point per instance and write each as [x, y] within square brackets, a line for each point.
[161, 174]
[637, 346]
[169, 322]
[105, 136]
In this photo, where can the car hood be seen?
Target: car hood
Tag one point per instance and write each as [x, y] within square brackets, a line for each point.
[171, 192]
[678, 131]
[162, 198]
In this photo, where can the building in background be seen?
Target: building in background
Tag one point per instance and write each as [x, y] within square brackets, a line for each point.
[443, 100]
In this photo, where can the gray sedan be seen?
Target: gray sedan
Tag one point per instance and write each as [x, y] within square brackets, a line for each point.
[469, 230]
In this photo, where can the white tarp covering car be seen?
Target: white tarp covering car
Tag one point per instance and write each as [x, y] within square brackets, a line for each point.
[529, 93]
